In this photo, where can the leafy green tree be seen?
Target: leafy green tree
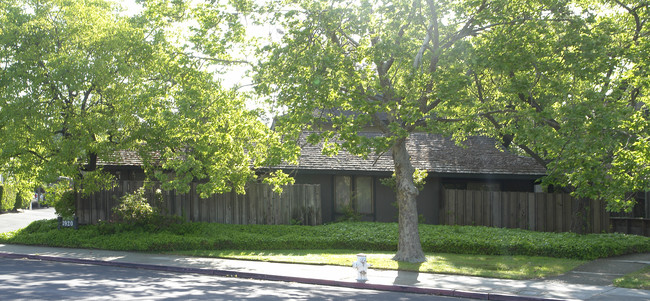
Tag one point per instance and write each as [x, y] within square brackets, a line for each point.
[80, 81]
[574, 97]
[531, 73]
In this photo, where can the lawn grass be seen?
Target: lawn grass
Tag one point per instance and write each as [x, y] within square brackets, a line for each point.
[506, 267]
[639, 279]
[465, 250]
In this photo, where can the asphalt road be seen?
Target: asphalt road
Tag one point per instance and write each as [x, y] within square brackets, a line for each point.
[13, 221]
[40, 280]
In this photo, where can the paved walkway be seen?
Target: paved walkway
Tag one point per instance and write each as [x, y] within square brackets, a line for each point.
[591, 281]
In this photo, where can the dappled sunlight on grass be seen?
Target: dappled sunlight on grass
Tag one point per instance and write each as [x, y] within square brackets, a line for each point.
[639, 279]
[508, 267]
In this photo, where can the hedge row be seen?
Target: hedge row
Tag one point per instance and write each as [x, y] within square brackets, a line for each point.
[7, 198]
[351, 236]
[2, 201]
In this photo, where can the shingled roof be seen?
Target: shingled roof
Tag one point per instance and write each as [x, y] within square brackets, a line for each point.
[433, 153]
[121, 158]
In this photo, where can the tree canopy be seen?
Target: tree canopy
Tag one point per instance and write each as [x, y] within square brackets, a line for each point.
[560, 81]
[573, 96]
[80, 81]
[564, 82]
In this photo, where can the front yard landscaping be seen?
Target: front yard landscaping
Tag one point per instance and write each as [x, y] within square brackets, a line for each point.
[492, 266]
[466, 250]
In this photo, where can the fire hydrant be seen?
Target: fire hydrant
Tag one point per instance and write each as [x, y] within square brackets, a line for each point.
[362, 267]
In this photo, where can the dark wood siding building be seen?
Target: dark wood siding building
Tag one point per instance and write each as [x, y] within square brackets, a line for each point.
[349, 182]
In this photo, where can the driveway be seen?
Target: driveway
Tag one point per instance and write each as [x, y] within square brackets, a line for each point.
[13, 221]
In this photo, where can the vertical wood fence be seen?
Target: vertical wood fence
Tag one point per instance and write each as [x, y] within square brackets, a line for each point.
[260, 205]
[548, 212]
[631, 225]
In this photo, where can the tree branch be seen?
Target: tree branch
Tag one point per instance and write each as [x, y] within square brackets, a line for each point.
[505, 138]
[352, 41]
[87, 96]
[43, 159]
[224, 61]
[637, 19]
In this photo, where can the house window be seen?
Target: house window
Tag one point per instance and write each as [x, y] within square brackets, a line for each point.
[363, 194]
[353, 192]
[343, 193]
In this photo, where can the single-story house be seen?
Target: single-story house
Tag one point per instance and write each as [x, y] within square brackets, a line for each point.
[126, 165]
[350, 181]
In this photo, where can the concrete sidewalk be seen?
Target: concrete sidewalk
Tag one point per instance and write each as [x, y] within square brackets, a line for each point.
[448, 285]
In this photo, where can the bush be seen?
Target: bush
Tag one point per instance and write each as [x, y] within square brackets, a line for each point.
[8, 200]
[2, 190]
[134, 209]
[65, 205]
[349, 215]
[46, 201]
[20, 201]
[41, 226]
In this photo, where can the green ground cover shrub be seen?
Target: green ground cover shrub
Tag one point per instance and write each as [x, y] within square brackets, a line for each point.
[177, 236]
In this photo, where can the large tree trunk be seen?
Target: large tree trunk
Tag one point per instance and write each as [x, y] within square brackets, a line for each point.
[409, 248]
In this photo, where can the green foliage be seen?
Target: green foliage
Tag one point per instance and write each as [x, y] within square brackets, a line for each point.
[584, 119]
[122, 83]
[277, 179]
[135, 211]
[17, 193]
[419, 177]
[47, 201]
[64, 204]
[637, 280]
[134, 208]
[41, 226]
[564, 82]
[8, 198]
[421, 219]
[349, 215]
[361, 236]
[2, 190]
[20, 202]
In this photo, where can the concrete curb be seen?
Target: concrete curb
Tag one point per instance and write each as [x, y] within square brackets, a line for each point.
[257, 276]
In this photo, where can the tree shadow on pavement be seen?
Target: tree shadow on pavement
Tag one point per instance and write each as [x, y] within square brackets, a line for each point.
[409, 277]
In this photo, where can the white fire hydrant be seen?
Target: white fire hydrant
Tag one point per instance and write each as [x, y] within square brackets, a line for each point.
[361, 265]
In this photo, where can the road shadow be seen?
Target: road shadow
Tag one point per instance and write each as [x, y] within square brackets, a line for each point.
[42, 280]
